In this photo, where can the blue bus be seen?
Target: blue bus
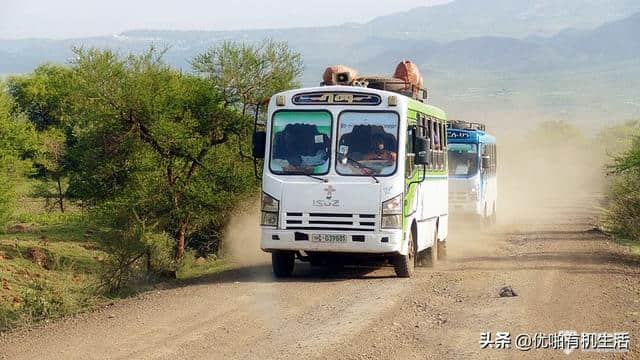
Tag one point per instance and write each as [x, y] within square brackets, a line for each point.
[473, 181]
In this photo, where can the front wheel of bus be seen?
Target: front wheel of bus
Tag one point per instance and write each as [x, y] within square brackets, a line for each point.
[432, 252]
[442, 250]
[494, 216]
[404, 264]
[282, 263]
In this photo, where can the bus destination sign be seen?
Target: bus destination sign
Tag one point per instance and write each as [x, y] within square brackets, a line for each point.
[337, 98]
[455, 134]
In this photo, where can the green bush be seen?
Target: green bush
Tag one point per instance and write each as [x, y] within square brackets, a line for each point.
[623, 214]
[41, 302]
[9, 317]
[7, 198]
[138, 253]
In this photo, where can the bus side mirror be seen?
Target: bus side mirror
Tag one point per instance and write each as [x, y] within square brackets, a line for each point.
[486, 161]
[423, 148]
[259, 142]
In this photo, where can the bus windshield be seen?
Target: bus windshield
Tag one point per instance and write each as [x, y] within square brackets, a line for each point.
[463, 159]
[300, 143]
[367, 143]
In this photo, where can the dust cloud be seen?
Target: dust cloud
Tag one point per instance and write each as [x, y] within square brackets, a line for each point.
[541, 176]
[537, 176]
[241, 243]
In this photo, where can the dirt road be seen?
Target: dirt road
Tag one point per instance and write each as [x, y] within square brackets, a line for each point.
[567, 278]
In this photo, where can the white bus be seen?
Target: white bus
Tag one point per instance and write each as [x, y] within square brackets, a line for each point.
[353, 170]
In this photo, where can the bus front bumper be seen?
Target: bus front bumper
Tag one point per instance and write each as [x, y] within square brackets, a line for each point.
[380, 242]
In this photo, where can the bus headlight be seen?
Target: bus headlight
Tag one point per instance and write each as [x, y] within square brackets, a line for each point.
[392, 213]
[391, 222]
[270, 208]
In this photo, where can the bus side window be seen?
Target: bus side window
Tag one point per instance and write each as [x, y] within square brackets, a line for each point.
[410, 151]
[439, 144]
[423, 125]
[495, 158]
[434, 144]
[492, 158]
[443, 135]
[483, 153]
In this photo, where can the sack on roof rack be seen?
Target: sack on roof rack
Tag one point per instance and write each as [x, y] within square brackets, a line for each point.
[339, 75]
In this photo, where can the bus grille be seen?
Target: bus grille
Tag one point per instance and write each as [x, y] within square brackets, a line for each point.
[330, 221]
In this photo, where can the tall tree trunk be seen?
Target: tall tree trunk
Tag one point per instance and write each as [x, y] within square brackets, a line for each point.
[182, 231]
[60, 196]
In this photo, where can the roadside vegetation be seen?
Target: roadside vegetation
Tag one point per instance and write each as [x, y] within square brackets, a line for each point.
[622, 217]
[118, 171]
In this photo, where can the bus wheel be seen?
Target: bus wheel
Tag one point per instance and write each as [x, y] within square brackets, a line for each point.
[282, 263]
[404, 264]
[442, 250]
[494, 216]
[486, 219]
[431, 255]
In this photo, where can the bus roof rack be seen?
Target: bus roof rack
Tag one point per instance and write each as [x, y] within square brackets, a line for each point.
[465, 125]
[394, 85]
[389, 84]
[406, 80]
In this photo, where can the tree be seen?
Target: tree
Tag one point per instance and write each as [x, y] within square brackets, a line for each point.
[17, 142]
[44, 96]
[629, 161]
[621, 149]
[155, 140]
[247, 74]
[50, 163]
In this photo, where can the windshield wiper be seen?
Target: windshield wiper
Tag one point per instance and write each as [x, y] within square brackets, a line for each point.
[317, 178]
[362, 167]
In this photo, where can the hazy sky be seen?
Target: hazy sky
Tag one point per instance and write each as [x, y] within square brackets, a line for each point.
[80, 18]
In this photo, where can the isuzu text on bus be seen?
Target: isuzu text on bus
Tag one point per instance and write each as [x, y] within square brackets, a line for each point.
[356, 166]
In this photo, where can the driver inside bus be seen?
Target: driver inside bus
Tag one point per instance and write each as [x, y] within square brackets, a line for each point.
[296, 153]
[379, 152]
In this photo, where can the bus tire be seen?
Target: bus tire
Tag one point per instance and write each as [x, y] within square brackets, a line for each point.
[486, 219]
[283, 263]
[431, 256]
[442, 250]
[494, 216]
[404, 264]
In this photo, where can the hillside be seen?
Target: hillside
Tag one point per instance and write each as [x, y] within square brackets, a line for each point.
[469, 18]
[473, 70]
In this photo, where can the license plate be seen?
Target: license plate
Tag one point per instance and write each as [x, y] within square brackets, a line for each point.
[326, 238]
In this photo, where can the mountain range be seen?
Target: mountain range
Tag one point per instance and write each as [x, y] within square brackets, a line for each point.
[574, 59]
